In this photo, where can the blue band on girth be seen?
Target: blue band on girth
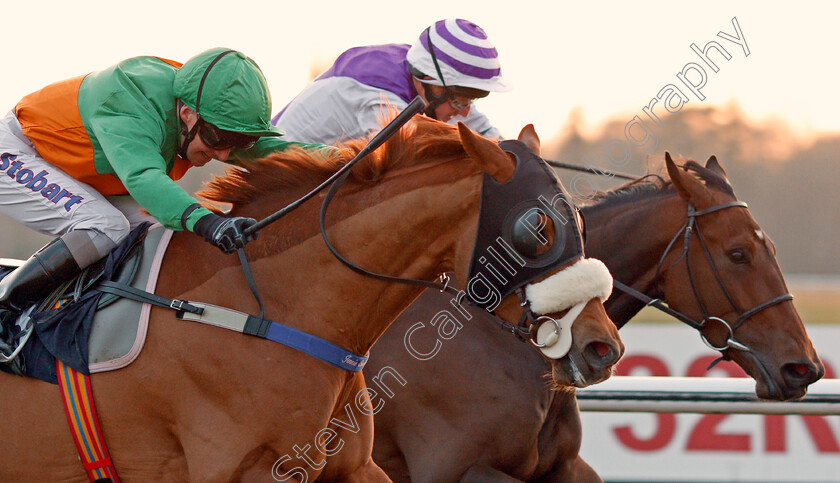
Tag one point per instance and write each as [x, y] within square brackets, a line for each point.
[316, 347]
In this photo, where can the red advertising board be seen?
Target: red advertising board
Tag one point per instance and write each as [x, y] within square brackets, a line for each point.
[709, 447]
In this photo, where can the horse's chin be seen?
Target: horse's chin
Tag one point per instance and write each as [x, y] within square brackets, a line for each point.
[571, 371]
[766, 385]
[772, 392]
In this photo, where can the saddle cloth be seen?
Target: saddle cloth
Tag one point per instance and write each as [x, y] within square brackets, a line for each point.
[119, 329]
[100, 332]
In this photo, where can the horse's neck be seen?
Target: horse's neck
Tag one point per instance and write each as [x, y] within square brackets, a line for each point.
[630, 239]
[306, 287]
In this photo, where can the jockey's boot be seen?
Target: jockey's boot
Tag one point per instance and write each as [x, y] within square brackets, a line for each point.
[48, 268]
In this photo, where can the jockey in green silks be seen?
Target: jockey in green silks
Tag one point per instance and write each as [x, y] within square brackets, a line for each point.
[78, 159]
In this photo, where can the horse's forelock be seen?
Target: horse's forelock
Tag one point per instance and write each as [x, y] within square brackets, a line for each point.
[421, 140]
[711, 178]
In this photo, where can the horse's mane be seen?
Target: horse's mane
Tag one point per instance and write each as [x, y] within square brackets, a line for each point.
[420, 140]
[654, 183]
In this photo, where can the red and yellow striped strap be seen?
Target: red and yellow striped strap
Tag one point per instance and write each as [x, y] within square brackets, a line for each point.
[84, 424]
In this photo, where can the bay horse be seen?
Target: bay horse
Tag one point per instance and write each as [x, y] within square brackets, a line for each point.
[507, 424]
[204, 404]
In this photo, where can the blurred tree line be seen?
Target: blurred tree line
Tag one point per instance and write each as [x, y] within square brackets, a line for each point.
[790, 183]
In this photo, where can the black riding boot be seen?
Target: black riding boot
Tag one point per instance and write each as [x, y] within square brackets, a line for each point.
[48, 268]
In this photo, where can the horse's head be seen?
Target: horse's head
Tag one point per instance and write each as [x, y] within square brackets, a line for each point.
[526, 215]
[744, 305]
[433, 200]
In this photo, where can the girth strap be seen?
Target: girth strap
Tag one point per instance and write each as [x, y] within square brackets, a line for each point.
[84, 424]
[266, 329]
[247, 324]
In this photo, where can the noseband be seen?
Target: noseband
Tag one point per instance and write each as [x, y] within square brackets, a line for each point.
[687, 229]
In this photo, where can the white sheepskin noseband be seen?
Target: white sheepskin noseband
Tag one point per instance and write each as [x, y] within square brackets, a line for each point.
[585, 280]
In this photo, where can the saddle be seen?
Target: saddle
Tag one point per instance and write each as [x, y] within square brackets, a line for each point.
[82, 323]
[98, 321]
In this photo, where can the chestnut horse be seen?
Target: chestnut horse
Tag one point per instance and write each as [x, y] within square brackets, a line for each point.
[205, 404]
[502, 422]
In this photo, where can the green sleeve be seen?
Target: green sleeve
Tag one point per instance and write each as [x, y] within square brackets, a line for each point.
[129, 145]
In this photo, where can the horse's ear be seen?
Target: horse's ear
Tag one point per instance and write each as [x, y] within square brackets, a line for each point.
[688, 187]
[528, 135]
[486, 154]
[713, 164]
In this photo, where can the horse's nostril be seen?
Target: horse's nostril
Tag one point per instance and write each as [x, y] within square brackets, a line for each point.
[800, 369]
[601, 349]
[600, 354]
[802, 374]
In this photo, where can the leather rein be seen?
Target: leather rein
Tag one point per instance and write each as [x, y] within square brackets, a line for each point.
[335, 182]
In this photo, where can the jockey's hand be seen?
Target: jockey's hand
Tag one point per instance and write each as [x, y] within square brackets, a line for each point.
[225, 233]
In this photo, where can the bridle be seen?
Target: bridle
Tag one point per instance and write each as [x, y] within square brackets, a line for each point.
[525, 329]
[687, 229]
[528, 320]
[531, 170]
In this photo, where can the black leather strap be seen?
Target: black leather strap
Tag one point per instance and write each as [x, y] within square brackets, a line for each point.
[252, 284]
[657, 304]
[257, 326]
[388, 278]
[132, 293]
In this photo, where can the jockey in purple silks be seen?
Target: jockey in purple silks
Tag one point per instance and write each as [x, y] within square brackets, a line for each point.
[451, 64]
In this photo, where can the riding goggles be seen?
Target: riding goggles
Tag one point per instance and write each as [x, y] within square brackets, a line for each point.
[215, 138]
[459, 103]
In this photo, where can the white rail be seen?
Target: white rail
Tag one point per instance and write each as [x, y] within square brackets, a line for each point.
[702, 395]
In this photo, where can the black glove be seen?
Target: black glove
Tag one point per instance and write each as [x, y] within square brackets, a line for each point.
[225, 233]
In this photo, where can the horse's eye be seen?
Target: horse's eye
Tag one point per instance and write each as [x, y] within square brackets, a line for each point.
[739, 255]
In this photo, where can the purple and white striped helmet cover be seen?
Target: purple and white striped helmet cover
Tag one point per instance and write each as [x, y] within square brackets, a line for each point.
[465, 56]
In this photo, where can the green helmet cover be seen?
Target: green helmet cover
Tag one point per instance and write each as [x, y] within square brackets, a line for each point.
[234, 96]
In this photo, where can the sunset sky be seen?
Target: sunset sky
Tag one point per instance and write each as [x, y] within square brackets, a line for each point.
[609, 59]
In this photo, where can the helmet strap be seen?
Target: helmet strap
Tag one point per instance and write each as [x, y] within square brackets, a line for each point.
[189, 135]
[433, 100]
